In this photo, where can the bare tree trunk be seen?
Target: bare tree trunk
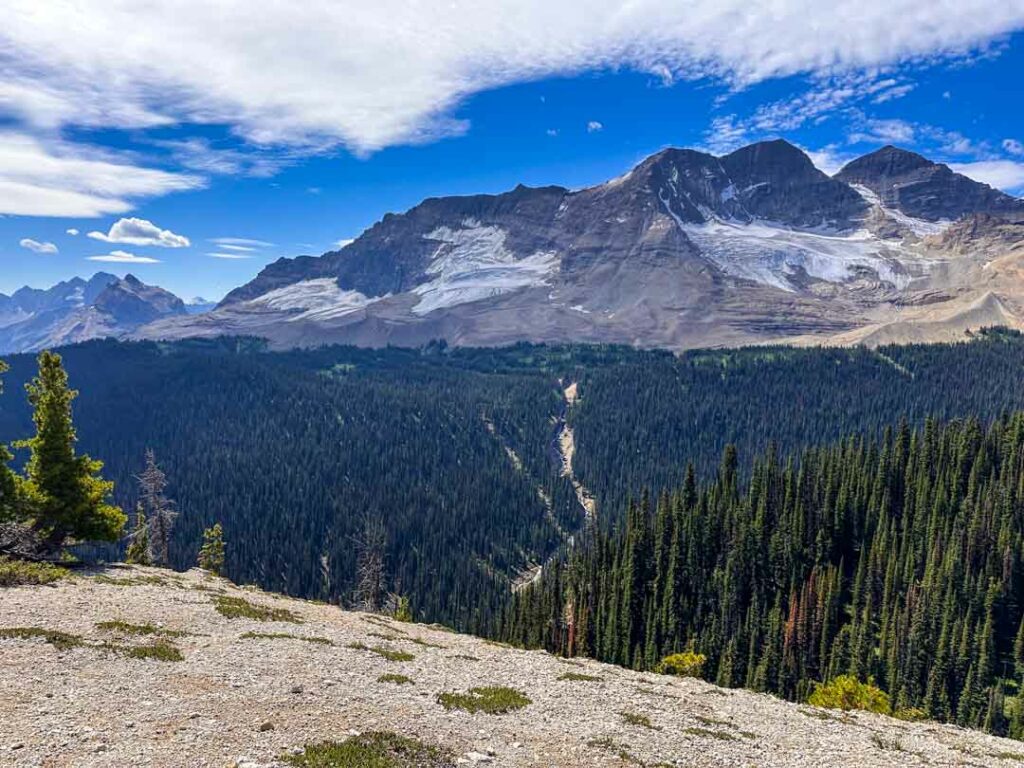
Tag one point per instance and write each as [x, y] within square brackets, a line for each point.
[371, 573]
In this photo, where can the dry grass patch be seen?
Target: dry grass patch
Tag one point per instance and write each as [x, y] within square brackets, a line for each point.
[642, 721]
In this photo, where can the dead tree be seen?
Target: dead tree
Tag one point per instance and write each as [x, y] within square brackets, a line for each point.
[371, 573]
[159, 510]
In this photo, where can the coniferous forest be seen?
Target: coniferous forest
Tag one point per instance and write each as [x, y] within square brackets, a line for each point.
[452, 452]
[898, 560]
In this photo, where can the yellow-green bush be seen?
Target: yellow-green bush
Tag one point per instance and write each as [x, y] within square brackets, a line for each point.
[847, 692]
[685, 664]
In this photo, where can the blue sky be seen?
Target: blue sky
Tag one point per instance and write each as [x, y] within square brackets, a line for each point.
[213, 154]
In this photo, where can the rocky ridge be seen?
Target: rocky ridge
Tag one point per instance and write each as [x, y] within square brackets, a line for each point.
[250, 692]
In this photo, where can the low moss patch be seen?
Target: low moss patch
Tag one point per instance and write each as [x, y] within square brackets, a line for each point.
[158, 651]
[240, 608]
[284, 636]
[493, 700]
[641, 721]
[126, 628]
[373, 750]
[390, 655]
[580, 677]
[393, 678]
[134, 581]
[18, 573]
[709, 734]
[425, 643]
[60, 640]
[465, 657]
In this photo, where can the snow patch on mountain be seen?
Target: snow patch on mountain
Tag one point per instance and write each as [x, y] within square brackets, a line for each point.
[774, 255]
[919, 227]
[473, 263]
[319, 299]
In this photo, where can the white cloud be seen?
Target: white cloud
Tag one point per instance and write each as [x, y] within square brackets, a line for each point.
[594, 126]
[241, 241]
[1007, 175]
[551, 131]
[124, 257]
[59, 179]
[141, 232]
[828, 159]
[38, 247]
[724, 135]
[232, 255]
[884, 132]
[339, 244]
[72, 231]
[242, 248]
[1013, 146]
[370, 75]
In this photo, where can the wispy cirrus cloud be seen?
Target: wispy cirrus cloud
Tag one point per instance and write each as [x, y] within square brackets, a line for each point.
[367, 76]
[123, 257]
[56, 178]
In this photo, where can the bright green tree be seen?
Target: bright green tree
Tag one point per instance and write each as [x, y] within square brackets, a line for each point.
[138, 546]
[211, 554]
[66, 497]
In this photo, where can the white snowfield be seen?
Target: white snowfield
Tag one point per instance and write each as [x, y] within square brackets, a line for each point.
[319, 299]
[473, 263]
[773, 255]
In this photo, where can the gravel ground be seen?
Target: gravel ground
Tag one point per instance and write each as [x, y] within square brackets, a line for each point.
[237, 701]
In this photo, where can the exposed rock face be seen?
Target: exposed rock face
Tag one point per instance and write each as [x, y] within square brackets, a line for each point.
[247, 692]
[79, 310]
[687, 249]
[931, 191]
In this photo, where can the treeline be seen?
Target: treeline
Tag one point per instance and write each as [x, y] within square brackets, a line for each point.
[896, 560]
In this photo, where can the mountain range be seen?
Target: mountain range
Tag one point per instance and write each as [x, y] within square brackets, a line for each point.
[77, 310]
[685, 250]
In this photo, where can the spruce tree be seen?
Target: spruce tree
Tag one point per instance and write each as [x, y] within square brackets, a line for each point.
[8, 508]
[211, 554]
[138, 544]
[66, 497]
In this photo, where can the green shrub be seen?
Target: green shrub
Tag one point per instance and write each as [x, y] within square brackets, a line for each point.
[17, 573]
[685, 664]
[387, 653]
[372, 750]
[240, 608]
[493, 700]
[634, 718]
[847, 692]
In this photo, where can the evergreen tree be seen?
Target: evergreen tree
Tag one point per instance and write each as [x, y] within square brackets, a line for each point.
[8, 508]
[211, 554]
[138, 543]
[64, 493]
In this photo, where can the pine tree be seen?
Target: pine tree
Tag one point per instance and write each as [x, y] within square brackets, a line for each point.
[138, 544]
[65, 496]
[211, 554]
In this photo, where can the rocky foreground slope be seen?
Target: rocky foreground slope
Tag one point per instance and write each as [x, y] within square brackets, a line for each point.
[251, 692]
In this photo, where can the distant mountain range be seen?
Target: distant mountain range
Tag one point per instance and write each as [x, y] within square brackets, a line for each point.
[685, 250]
[78, 310]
